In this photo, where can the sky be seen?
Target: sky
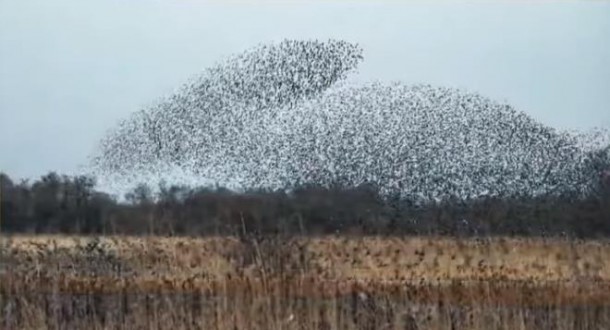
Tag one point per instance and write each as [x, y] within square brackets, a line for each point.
[70, 70]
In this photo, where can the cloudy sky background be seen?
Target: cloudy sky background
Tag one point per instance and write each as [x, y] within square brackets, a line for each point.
[69, 70]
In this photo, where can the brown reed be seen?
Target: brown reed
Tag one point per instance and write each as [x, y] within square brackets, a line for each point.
[333, 282]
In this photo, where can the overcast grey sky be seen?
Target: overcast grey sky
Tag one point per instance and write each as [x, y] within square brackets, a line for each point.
[69, 70]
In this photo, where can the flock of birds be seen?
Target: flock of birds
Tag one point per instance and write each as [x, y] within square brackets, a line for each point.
[282, 115]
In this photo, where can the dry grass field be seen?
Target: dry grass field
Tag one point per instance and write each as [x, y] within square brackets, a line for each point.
[332, 282]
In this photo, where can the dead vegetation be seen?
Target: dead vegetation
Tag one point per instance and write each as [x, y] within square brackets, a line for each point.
[330, 282]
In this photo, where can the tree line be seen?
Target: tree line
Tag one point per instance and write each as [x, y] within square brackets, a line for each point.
[71, 204]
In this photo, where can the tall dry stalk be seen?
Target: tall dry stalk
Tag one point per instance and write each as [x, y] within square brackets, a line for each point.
[338, 282]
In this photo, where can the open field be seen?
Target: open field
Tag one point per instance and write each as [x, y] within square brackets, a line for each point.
[331, 282]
